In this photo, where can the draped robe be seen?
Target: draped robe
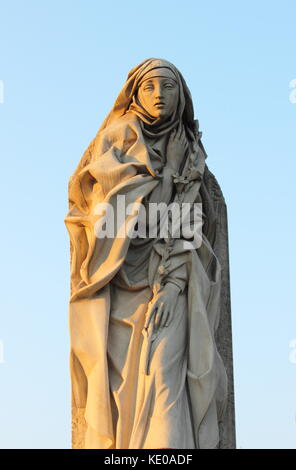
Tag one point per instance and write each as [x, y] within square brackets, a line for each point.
[117, 403]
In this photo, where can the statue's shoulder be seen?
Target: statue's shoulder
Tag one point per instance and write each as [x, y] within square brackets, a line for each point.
[121, 127]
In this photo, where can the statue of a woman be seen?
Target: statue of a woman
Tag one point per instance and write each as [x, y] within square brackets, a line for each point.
[144, 310]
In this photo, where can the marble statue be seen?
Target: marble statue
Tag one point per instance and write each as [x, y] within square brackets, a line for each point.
[149, 313]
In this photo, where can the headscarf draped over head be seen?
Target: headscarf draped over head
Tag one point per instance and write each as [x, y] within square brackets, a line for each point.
[127, 103]
[127, 99]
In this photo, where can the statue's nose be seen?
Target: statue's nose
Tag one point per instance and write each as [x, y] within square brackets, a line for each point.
[158, 91]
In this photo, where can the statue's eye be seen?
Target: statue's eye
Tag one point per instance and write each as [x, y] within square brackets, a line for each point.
[169, 85]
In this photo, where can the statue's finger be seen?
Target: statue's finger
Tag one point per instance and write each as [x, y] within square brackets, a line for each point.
[184, 139]
[158, 315]
[165, 317]
[150, 314]
[194, 140]
[172, 135]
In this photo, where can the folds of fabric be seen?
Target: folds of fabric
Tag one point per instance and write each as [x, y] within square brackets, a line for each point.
[112, 281]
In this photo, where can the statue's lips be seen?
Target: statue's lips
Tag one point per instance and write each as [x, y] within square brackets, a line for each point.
[159, 105]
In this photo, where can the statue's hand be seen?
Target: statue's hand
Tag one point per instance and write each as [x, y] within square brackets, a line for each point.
[162, 306]
[176, 148]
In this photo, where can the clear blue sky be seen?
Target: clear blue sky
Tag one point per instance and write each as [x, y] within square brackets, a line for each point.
[62, 64]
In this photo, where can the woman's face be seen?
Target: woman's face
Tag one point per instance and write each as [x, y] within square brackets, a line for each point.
[159, 96]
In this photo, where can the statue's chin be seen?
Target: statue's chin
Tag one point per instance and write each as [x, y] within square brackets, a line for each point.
[161, 115]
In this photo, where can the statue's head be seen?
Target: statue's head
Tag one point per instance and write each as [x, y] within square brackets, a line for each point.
[158, 93]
